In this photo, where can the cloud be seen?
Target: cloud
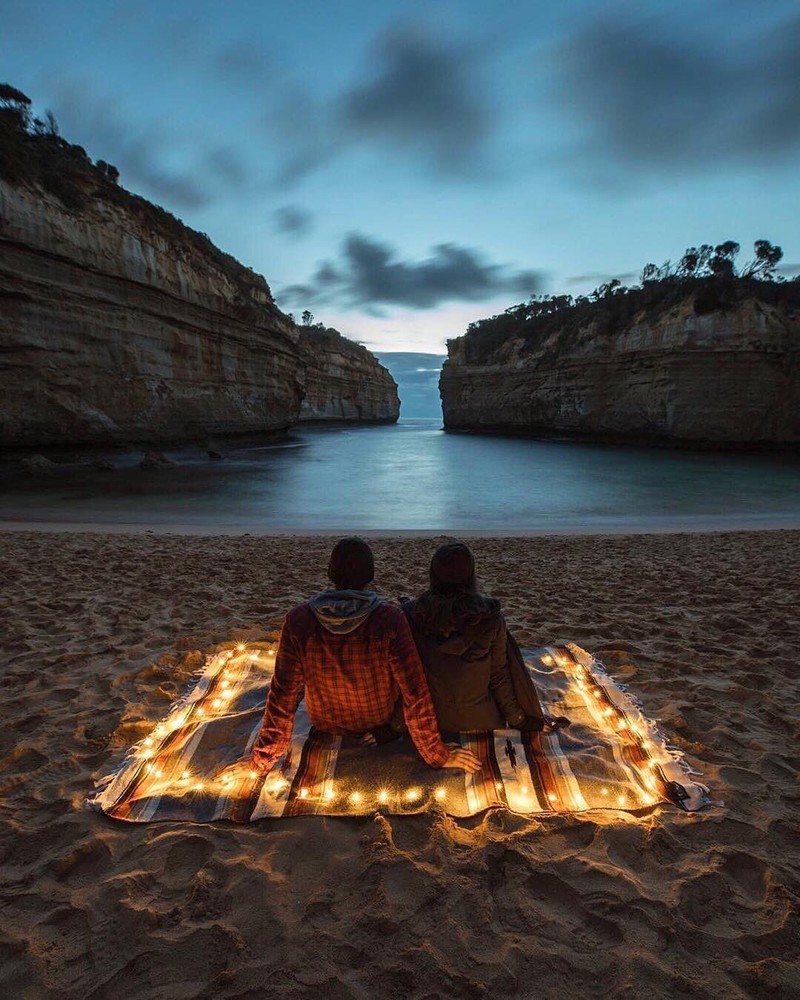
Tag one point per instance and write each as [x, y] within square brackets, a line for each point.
[423, 94]
[292, 220]
[142, 154]
[420, 97]
[369, 275]
[659, 92]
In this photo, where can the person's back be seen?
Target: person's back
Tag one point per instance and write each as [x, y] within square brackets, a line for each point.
[473, 666]
[462, 645]
[351, 656]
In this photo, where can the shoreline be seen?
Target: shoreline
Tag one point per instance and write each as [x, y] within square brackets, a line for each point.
[672, 526]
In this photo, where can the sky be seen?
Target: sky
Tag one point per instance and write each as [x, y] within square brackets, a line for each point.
[404, 168]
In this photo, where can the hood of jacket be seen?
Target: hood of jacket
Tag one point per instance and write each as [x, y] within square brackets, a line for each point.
[462, 625]
[343, 611]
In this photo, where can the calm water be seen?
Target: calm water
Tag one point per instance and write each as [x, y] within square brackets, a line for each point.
[414, 476]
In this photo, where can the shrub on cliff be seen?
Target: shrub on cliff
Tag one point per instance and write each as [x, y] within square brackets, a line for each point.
[33, 152]
[706, 275]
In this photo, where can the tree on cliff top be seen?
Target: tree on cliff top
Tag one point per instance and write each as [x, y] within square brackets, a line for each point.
[705, 276]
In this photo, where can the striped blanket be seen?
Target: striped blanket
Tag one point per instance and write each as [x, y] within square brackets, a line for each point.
[611, 757]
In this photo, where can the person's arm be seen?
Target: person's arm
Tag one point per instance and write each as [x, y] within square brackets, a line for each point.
[285, 694]
[420, 717]
[501, 686]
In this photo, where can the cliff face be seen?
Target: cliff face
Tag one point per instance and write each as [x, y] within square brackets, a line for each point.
[116, 329]
[725, 378]
[112, 333]
[343, 381]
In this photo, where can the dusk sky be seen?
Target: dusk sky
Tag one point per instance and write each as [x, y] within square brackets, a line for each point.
[403, 168]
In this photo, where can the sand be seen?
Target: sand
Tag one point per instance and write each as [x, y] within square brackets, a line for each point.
[100, 632]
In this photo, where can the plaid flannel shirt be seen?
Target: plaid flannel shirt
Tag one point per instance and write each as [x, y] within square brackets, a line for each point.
[350, 683]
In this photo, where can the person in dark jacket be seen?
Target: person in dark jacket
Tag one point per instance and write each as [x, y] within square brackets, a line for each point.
[475, 671]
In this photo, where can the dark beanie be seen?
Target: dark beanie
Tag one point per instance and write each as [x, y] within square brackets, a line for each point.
[351, 565]
[452, 568]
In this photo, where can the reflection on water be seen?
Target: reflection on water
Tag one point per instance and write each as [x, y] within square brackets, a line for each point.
[414, 476]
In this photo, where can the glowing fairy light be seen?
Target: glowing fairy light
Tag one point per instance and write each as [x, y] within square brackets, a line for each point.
[303, 793]
[147, 753]
[330, 795]
[604, 791]
[623, 725]
[597, 692]
[356, 798]
[225, 684]
[253, 775]
[547, 659]
[160, 730]
[620, 800]
[216, 703]
[552, 797]
[199, 786]
[383, 795]
[240, 647]
[440, 793]
[158, 773]
[412, 794]
[149, 741]
[608, 711]
[498, 785]
[524, 789]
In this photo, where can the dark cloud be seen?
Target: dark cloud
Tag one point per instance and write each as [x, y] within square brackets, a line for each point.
[422, 93]
[369, 276]
[242, 62]
[657, 91]
[292, 220]
[421, 98]
[139, 154]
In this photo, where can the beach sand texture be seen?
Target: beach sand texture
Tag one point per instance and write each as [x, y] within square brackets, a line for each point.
[101, 632]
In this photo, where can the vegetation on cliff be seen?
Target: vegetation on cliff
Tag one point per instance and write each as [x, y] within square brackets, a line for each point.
[705, 275]
[32, 152]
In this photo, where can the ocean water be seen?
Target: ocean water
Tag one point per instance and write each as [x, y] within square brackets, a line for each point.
[413, 476]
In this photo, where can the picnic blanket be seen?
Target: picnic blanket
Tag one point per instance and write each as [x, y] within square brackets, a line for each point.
[610, 757]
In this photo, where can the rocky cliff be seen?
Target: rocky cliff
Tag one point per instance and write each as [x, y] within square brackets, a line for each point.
[724, 377]
[120, 325]
[343, 381]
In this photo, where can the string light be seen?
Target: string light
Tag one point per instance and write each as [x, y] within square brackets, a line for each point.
[440, 793]
[148, 741]
[412, 794]
[547, 659]
[240, 647]
[303, 793]
[383, 795]
[330, 795]
[552, 797]
[253, 775]
[356, 797]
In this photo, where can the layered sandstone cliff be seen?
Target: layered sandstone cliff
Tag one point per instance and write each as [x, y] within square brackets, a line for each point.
[343, 381]
[118, 328]
[728, 377]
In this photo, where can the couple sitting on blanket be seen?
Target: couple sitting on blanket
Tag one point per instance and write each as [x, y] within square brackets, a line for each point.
[370, 670]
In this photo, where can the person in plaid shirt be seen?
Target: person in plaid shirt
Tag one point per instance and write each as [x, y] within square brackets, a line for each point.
[351, 655]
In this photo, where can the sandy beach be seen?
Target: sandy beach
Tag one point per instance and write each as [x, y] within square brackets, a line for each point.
[100, 632]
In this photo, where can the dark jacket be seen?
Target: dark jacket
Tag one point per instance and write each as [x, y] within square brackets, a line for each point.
[464, 653]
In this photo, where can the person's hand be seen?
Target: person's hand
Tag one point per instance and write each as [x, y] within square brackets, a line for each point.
[463, 759]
